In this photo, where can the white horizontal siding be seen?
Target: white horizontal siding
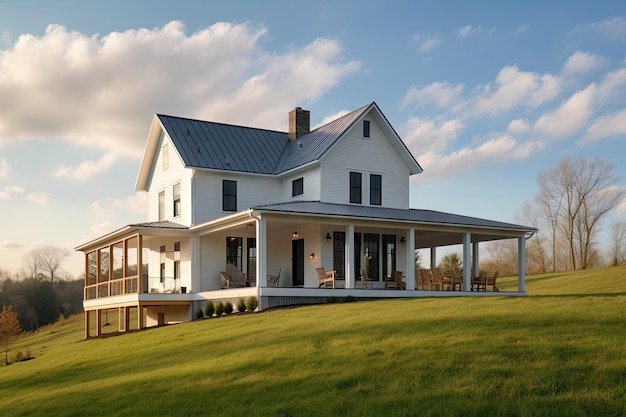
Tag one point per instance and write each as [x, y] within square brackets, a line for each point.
[373, 155]
[251, 191]
[311, 182]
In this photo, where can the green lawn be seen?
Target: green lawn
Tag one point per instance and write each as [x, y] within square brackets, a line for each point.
[561, 351]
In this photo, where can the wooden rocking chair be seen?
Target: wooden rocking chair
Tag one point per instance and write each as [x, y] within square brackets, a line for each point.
[325, 277]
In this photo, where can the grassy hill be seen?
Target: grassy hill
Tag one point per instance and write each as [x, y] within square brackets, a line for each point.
[559, 351]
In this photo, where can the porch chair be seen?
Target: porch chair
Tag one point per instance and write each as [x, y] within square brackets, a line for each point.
[236, 277]
[491, 281]
[224, 279]
[364, 277]
[325, 277]
[396, 281]
[274, 280]
[423, 279]
[438, 277]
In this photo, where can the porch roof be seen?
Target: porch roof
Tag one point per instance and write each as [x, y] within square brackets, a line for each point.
[441, 225]
[142, 228]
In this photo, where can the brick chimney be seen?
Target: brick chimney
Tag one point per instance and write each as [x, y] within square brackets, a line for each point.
[299, 123]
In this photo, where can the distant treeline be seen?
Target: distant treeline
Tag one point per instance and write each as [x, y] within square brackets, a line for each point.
[38, 301]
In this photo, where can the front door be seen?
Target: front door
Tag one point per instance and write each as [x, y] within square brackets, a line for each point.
[297, 262]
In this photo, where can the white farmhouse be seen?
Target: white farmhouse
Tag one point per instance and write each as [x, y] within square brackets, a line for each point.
[235, 212]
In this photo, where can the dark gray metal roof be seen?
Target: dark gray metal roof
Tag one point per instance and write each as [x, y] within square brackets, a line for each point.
[368, 212]
[310, 147]
[225, 147]
[165, 224]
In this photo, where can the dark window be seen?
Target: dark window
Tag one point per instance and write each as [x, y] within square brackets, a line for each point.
[162, 271]
[339, 254]
[176, 260]
[229, 195]
[376, 189]
[176, 193]
[251, 257]
[233, 251]
[355, 187]
[366, 128]
[371, 255]
[297, 187]
[389, 259]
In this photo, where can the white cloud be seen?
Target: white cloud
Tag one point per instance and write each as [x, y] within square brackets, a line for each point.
[612, 86]
[111, 85]
[102, 228]
[521, 29]
[465, 31]
[513, 88]
[86, 169]
[427, 42]
[582, 63]
[519, 126]
[610, 125]
[570, 117]
[422, 135]
[614, 27]
[441, 94]
[38, 197]
[136, 203]
[4, 168]
[9, 191]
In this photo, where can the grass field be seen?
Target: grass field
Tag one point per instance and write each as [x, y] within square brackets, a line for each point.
[561, 351]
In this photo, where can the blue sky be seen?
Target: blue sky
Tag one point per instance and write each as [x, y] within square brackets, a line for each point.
[485, 94]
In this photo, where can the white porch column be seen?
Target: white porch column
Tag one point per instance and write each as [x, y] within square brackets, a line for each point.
[467, 273]
[194, 249]
[433, 257]
[475, 263]
[349, 244]
[261, 253]
[521, 264]
[410, 260]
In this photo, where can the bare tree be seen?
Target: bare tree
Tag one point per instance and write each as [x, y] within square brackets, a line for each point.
[617, 245]
[46, 261]
[573, 198]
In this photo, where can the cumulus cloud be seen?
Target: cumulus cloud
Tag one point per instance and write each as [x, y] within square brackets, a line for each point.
[582, 63]
[86, 169]
[4, 168]
[38, 197]
[519, 126]
[9, 191]
[441, 94]
[427, 42]
[570, 117]
[513, 88]
[102, 228]
[611, 125]
[136, 203]
[422, 135]
[101, 91]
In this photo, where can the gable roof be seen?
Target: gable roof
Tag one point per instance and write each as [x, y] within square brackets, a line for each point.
[224, 147]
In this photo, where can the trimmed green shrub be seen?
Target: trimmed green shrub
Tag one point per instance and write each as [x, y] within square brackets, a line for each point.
[209, 309]
[219, 308]
[228, 308]
[199, 313]
[241, 305]
[252, 303]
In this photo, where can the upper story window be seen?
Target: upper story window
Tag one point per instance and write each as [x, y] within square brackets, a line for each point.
[376, 189]
[229, 195]
[165, 154]
[355, 187]
[297, 187]
[176, 193]
[366, 128]
[162, 206]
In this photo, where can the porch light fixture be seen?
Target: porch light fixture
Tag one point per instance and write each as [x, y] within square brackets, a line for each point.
[295, 235]
[402, 240]
[312, 256]
[328, 236]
